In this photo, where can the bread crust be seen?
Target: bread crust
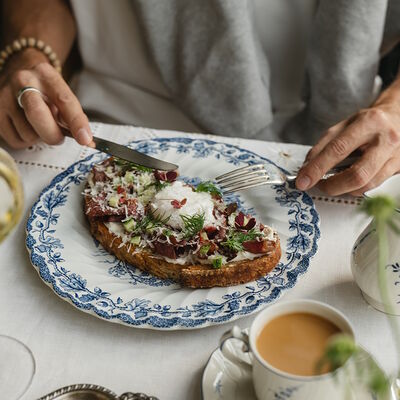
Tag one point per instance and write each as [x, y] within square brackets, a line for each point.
[193, 276]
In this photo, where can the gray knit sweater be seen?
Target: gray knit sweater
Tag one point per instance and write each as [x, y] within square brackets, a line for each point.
[212, 62]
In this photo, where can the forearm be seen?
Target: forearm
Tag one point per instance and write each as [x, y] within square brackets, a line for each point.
[49, 20]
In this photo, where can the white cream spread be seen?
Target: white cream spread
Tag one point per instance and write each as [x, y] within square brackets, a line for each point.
[196, 203]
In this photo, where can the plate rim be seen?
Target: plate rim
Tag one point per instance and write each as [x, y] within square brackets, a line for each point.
[179, 323]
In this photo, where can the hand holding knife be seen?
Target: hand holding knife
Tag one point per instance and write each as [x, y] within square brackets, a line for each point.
[103, 145]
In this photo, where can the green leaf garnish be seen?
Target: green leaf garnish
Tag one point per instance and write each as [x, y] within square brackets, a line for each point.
[149, 222]
[217, 262]
[235, 239]
[158, 185]
[208, 187]
[130, 165]
[193, 224]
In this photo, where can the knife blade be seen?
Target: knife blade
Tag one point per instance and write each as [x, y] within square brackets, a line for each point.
[134, 156]
[112, 148]
[120, 151]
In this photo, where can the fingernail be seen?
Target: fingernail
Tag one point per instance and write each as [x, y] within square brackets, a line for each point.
[303, 182]
[83, 136]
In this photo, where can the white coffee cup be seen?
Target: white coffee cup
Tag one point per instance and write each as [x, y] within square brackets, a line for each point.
[271, 383]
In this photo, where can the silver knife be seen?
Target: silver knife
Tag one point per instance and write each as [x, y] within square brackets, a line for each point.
[134, 156]
[120, 151]
[111, 148]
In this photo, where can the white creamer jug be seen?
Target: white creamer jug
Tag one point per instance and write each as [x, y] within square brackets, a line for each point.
[364, 257]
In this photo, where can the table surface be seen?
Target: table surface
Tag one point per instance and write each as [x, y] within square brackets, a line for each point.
[73, 347]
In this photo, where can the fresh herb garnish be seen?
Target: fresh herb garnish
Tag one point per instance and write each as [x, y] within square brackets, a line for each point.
[217, 262]
[235, 239]
[149, 222]
[158, 185]
[193, 224]
[208, 187]
[130, 165]
[167, 232]
[204, 249]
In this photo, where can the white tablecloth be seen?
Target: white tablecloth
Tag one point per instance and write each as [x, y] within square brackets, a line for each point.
[73, 347]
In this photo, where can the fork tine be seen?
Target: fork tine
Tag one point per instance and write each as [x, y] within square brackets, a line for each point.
[237, 171]
[245, 186]
[242, 176]
[233, 182]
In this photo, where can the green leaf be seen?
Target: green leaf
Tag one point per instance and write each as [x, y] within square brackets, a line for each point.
[158, 185]
[130, 165]
[149, 222]
[193, 224]
[208, 187]
[235, 239]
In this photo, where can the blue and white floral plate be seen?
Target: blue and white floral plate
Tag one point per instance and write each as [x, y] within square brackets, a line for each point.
[80, 271]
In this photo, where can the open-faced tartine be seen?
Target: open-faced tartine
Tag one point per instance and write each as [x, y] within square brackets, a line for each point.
[175, 231]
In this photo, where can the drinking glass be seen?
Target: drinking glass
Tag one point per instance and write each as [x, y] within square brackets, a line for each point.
[17, 364]
[11, 194]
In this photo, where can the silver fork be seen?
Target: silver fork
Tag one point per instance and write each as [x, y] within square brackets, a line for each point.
[256, 175]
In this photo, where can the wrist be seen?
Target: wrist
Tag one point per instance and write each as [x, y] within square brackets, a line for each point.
[390, 96]
[25, 59]
[29, 50]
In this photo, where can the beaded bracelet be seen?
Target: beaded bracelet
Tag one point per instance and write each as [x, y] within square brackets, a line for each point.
[25, 43]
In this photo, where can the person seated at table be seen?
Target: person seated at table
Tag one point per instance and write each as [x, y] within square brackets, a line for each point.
[301, 71]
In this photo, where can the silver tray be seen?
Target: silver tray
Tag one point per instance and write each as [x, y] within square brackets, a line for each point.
[84, 391]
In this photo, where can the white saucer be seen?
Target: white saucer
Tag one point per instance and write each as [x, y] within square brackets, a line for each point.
[223, 379]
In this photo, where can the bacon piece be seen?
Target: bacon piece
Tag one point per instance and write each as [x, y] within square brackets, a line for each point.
[169, 176]
[97, 207]
[120, 189]
[173, 240]
[160, 175]
[221, 234]
[255, 246]
[245, 222]
[115, 218]
[99, 176]
[164, 249]
[231, 208]
[211, 231]
[251, 224]
[239, 220]
[108, 161]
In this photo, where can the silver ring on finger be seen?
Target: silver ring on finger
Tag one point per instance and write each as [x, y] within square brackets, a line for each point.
[24, 90]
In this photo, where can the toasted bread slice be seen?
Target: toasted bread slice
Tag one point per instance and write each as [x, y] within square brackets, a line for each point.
[193, 276]
[174, 230]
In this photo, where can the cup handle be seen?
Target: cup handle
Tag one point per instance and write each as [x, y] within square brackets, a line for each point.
[237, 334]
